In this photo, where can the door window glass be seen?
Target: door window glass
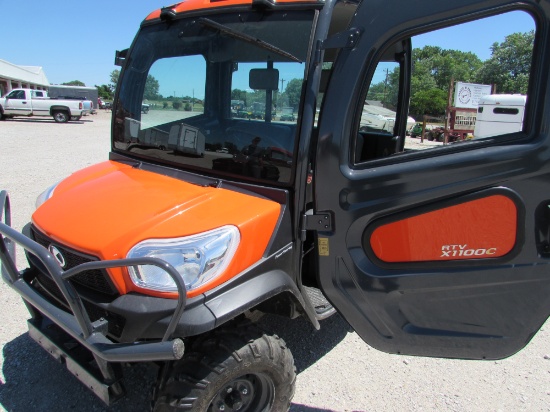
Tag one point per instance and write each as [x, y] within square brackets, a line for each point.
[17, 94]
[469, 82]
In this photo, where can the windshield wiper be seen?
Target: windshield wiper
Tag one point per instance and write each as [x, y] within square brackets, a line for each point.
[246, 38]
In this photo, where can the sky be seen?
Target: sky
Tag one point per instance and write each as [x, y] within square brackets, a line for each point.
[478, 36]
[77, 40]
[71, 39]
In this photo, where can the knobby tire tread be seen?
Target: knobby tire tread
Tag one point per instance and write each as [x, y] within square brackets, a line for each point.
[220, 356]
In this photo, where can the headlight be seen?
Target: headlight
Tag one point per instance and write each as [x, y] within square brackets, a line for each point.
[45, 195]
[198, 258]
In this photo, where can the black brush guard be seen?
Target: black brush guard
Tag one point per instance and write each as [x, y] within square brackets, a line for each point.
[64, 335]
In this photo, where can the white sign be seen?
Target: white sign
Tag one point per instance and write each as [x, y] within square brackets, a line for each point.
[467, 95]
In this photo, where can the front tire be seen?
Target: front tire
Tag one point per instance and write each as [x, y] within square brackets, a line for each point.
[236, 368]
[61, 116]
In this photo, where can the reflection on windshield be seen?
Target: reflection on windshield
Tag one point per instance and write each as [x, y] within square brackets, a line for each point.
[211, 100]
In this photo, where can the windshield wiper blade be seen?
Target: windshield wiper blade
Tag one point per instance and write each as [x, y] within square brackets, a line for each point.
[248, 39]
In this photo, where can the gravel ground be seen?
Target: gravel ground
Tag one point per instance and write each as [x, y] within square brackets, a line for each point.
[337, 371]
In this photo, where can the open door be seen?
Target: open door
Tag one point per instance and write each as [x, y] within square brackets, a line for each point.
[436, 247]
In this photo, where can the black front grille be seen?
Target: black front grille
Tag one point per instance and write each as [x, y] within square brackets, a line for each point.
[92, 284]
[47, 286]
[93, 280]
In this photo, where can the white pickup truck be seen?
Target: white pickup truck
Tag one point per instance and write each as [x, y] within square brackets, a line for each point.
[27, 102]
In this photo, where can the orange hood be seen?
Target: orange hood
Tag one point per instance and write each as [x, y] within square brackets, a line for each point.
[106, 209]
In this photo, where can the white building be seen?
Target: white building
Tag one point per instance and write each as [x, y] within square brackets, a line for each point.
[29, 77]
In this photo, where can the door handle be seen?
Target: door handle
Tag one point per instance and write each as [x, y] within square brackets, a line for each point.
[24, 102]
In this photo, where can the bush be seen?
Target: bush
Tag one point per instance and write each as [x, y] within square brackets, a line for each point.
[177, 105]
[164, 105]
[188, 107]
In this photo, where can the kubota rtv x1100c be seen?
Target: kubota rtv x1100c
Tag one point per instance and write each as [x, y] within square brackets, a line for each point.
[219, 204]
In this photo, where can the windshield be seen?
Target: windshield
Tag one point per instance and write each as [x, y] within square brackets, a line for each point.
[217, 94]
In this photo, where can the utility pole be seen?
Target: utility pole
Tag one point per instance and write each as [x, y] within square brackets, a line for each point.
[385, 88]
[279, 95]
[448, 111]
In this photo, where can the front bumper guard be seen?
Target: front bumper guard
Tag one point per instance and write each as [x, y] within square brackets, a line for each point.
[91, 335]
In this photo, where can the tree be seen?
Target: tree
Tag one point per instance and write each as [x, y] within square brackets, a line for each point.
[293, 91]
[444, 64]
[115, 74]
[104, 91]
[238, 94]
[257, 97]
[509, 64]
[433, 69]
[74, 83]
[151, 91]
[431, 101]
[386, 91]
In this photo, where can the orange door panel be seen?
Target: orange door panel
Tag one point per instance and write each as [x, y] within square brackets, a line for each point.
[478, 229]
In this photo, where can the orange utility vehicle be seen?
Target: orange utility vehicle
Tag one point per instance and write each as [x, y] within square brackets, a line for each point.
[201, 218]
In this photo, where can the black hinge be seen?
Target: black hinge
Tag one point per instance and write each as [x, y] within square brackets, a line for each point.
[343, 40]
[321, 222]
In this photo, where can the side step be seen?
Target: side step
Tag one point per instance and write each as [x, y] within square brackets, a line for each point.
[78, 360]
[323, 308]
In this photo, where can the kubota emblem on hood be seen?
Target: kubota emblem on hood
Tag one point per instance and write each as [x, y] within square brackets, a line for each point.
[57, 255]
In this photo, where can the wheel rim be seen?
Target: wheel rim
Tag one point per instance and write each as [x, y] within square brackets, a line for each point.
[253, 392]
[60, 117]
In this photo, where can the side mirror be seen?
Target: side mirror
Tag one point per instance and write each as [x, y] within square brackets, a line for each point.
[120, 57]
[263, 79]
